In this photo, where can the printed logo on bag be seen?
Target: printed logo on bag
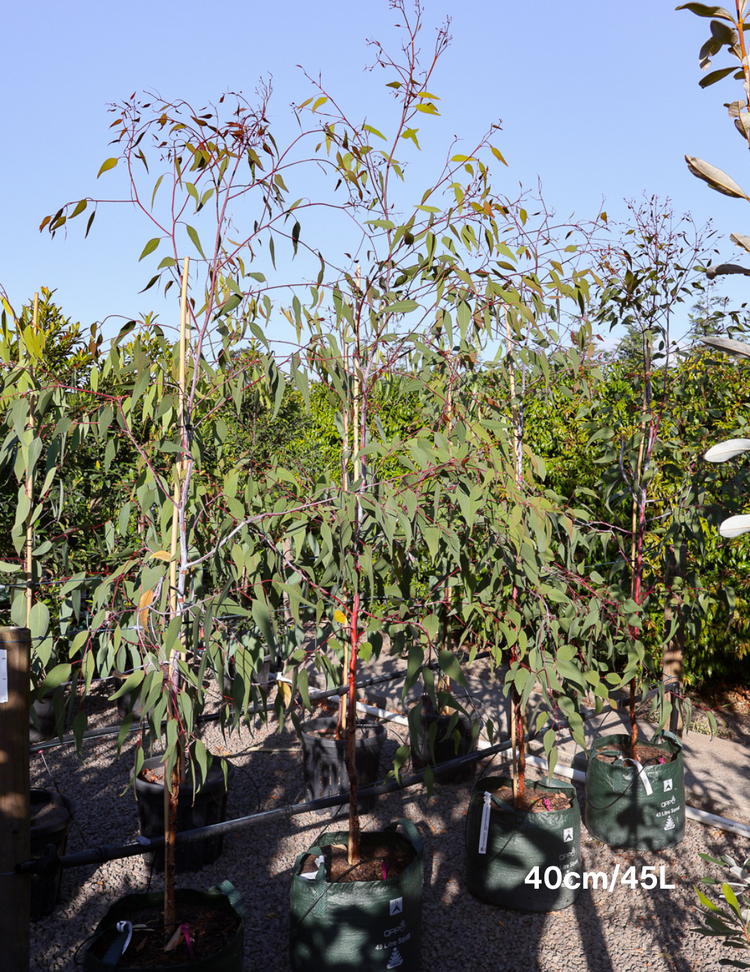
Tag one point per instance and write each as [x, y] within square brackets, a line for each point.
[668, 785]
[669, 825]
[397, 906]
[395, 960]
[568, 833]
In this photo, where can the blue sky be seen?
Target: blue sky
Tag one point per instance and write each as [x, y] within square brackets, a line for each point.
[598, 98]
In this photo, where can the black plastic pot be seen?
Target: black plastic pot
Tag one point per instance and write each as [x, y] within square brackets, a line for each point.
[50, 818]
[207, 806]
[260, 678]
[516, 842]
[438, 742]
[129, 702]
[324, 760]
[43, 719]
[632, 806]
[358, 926]
[223, 898]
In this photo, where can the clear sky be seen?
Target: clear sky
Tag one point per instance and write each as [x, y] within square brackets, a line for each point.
[598, 98]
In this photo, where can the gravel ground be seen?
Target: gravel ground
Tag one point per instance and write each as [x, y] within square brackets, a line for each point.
[623, 930]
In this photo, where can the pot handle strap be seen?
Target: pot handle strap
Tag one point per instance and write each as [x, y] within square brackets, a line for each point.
[118, 946]
[412, 833]
[235, 898]
[642, 775]
[670, 736]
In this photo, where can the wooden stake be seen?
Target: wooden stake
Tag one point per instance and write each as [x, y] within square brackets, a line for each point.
[15, 847]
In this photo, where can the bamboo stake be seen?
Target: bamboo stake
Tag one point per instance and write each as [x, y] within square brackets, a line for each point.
[345, 416]
[345, 456]
[519, 758]
[358, 470]
[30, 487]
[356, 393]
[172, 780]
[180, 468]
[635, 587]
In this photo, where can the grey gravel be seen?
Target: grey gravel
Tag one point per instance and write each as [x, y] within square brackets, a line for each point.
[602, 931]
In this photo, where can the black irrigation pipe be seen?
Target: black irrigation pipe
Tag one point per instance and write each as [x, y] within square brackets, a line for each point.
[144, 845]
[100, 855]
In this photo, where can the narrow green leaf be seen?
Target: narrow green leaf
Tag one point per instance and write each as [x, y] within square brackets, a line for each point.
[149, 247]
[195, 240]
[715, 76]
[108, 164]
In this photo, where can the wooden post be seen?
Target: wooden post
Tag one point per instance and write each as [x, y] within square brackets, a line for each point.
[15, 847]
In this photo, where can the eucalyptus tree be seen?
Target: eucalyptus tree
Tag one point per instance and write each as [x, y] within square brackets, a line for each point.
[404, 312]
[234, 539]
[647, 437]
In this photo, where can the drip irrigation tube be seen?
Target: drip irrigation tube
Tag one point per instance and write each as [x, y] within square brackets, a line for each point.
[100, 855]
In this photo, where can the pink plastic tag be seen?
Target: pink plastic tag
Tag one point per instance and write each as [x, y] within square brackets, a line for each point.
[185, 929]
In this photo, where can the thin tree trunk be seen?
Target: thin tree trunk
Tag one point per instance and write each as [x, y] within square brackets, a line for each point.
[171, 796]
[674, 652]
[518, 722]
[353, 851]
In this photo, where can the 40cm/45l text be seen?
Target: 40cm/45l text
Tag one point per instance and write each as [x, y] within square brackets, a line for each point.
[553, 878]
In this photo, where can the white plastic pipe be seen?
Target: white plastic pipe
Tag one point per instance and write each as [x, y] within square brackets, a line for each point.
[383, 714]
[700, 816]
[711, 820]
[567, 771]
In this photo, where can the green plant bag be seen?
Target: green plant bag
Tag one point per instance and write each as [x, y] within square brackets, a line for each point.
[633, 806]
[523, 858]
[223, 898]
[360, 926]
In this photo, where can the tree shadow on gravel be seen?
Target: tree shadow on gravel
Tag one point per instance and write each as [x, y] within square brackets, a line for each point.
[600, 932]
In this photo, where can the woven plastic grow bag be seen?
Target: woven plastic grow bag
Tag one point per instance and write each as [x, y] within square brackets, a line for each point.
[516, 842]
[360, 926]
[634, 806]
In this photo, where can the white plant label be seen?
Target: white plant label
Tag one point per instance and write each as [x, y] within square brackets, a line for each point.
[484, 827]
[3, 675]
